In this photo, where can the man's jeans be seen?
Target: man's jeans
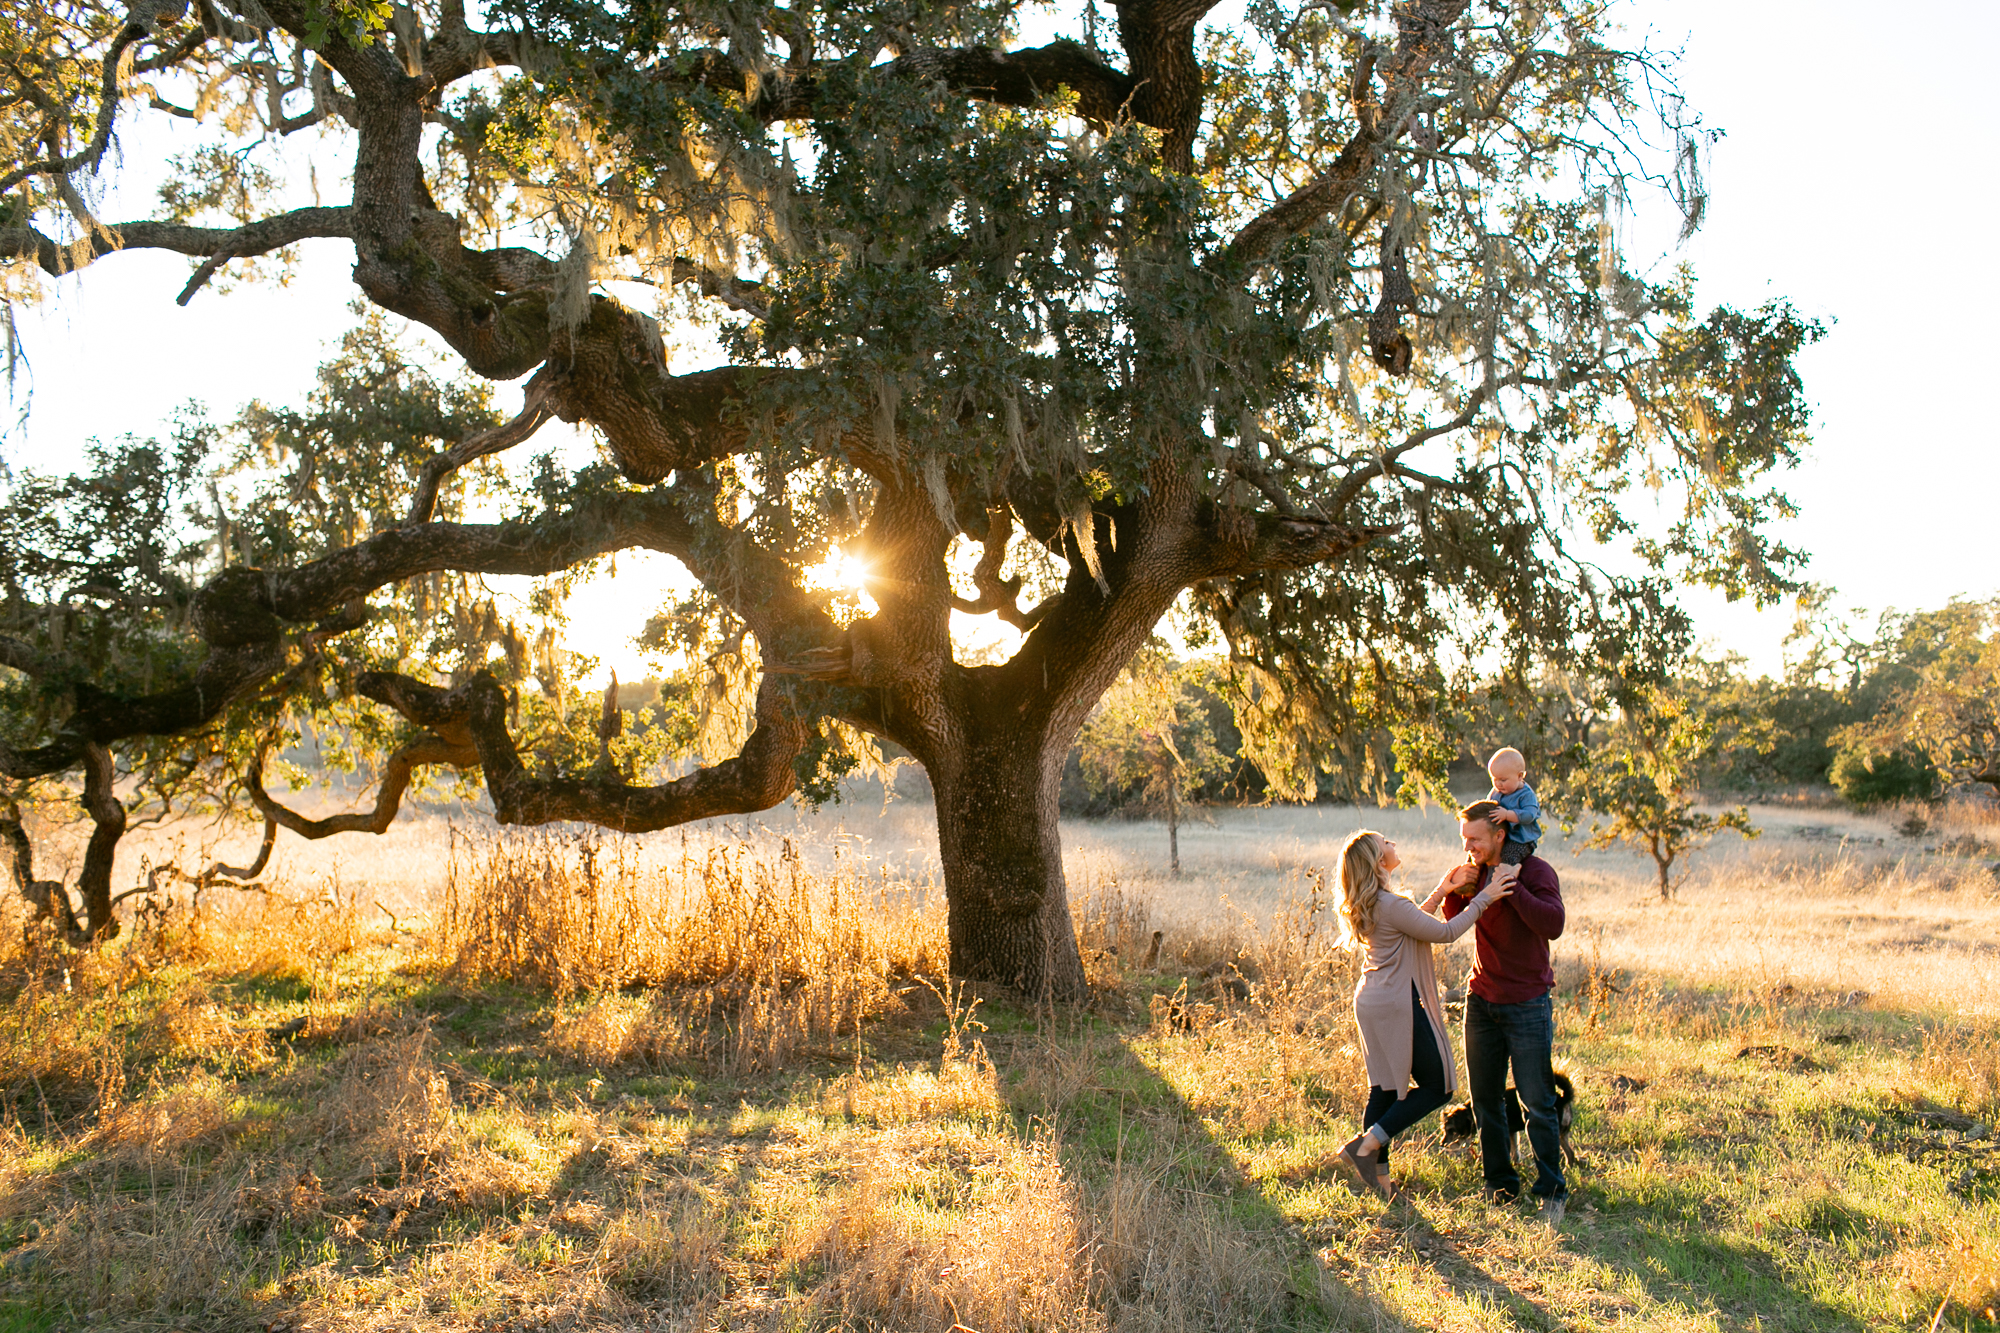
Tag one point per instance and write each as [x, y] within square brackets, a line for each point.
[1523, 1034]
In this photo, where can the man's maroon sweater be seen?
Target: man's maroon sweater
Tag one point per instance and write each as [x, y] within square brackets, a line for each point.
[1512, 938]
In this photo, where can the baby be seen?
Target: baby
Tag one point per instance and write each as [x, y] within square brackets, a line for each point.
[1519, 809]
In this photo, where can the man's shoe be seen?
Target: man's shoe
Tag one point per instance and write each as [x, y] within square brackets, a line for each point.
[1501, 1198]
[1552, 1213]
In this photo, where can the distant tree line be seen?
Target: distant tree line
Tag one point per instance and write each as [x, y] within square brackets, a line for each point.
[1906, 710]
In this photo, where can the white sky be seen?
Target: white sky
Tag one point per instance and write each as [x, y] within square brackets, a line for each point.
[1854, 179]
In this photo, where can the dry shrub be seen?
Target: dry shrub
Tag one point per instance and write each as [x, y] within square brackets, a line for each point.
[1958, 1280]
[1165, 1259]
[753, 958]
[1964, 1059]
[1014, 1257]
[666, 1248]
[605, 1031]
[964, 1089]
[388, 1101]
[1111, 918]
[156, 1258]
[72, 1039]
[162, 1126]
[1269, 1022]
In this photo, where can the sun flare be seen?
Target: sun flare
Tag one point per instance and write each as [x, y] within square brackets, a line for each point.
[846, 573]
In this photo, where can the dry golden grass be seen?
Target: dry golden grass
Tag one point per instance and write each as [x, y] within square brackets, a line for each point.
[718, 1082]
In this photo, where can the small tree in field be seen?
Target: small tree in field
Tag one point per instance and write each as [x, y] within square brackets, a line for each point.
[1152, 734]
[1638, 784]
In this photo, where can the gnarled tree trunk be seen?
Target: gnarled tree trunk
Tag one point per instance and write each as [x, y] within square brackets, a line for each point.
[1001, 850]
[107, 813]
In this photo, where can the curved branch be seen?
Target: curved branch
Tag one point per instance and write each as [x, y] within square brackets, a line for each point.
[1385, 464]
[997, 595]
[396, 776]
[48, 896]
[1424, 35]
[216, 870]
[173, 55]
[756, 779]
[534, 412]
[107, 109]
[227, 674]
[242, 614]
[221, 244]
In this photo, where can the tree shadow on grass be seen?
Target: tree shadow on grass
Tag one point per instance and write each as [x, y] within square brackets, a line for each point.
[1179, 1212]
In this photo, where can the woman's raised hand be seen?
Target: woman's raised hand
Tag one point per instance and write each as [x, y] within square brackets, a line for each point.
[1501, 883]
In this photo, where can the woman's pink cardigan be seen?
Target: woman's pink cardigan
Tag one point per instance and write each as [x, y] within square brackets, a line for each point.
[1398, 954]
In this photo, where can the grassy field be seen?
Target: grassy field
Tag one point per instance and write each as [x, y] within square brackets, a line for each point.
[448, 1080]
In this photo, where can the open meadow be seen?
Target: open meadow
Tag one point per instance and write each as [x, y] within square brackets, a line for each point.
[453, 1079]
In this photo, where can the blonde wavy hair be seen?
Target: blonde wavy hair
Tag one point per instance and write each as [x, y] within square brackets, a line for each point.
[1362, 880]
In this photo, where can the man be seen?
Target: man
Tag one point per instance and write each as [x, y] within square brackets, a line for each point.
[1509, 1017]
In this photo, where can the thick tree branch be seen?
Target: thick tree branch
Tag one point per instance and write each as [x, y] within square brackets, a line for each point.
[136, 27]
[1024, 78]
[242, 614]
[48, 896]
[220, 244]
[107, 813]
[757, 779]
[534, 412]
[1158, 36]
[998, 595]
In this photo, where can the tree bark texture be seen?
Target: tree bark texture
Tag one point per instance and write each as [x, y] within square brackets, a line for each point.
[107, 813]
[1001, 851]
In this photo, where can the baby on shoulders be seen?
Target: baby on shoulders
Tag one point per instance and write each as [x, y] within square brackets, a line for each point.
[1519, 810]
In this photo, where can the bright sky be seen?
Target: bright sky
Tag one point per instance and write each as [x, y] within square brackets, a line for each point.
[1850, 181]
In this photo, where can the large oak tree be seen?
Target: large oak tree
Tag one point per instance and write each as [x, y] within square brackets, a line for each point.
[1313, 323]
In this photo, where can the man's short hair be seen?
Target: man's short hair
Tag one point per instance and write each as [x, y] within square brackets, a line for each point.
[1480, 810]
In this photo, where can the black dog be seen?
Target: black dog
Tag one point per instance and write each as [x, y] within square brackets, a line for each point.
[1459, 1122]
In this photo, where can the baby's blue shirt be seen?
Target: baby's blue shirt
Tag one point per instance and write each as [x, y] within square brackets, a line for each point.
[1523, 803]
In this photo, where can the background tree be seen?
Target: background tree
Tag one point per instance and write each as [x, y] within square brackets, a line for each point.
[99, 571]
[1152, 743]
[1637, 783]
[1938, 719]
[1319, 318]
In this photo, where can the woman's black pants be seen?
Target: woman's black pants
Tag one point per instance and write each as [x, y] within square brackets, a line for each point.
[1391, 1114]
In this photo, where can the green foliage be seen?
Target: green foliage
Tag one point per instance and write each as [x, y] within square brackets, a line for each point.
[355, 22]
[1153, 742]
[98, 570]
[1935, 677]
[1637, 782]
[1868, 777]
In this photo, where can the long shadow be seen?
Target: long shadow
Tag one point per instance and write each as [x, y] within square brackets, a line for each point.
[1084, 1079]
[1110, 1109]
[1662, 1239]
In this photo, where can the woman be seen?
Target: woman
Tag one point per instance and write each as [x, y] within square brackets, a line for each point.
[1396, 1004]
